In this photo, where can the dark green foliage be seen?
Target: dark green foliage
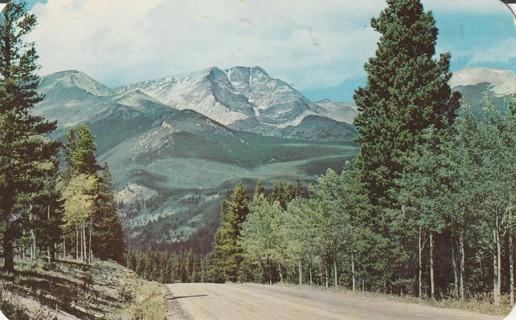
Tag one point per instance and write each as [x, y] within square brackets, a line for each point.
[79, 152]
[226, 253]
[258, 190]
[428, 208]
[47, 220]
[101, 222]
[22, 148]
[406, 92]
[284, 192]
[239, 207]
[108, 235]
[166, 267]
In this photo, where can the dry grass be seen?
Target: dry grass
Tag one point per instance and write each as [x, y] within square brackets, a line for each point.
[145, 301]
[484, 306]
[70, 289]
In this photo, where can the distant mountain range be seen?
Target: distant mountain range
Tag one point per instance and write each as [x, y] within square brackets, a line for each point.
[474, 82]
[176, 146]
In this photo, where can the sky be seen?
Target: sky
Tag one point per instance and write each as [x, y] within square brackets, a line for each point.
[317, 46]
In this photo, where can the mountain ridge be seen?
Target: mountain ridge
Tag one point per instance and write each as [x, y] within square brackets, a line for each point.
[172, 163]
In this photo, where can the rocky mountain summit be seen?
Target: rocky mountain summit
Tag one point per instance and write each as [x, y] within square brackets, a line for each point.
[177, 145]
[186, 140]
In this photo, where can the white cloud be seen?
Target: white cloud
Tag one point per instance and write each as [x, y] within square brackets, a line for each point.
[309, 43]
[312, 44]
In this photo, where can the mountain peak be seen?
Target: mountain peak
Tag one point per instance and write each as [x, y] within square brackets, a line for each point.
[503, 82]
[256, 70]
[74, 78]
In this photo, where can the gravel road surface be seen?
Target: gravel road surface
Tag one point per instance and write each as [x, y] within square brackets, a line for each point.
[249, 301]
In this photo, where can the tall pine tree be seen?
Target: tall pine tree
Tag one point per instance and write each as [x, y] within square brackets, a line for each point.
[20, 131]
[108, 235]
[105, 237]
[406, 92]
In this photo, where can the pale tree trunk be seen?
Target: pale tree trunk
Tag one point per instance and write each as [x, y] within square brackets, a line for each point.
[280, 273]
[432, 283]
[496, 266]
[326, 276]
[90, 251]
[83, 241]
[462, 272]
[420, 265]
[76, 242]
[300, 270]
[455, 269]
[32, 245]
[353, 281]
[335, 273]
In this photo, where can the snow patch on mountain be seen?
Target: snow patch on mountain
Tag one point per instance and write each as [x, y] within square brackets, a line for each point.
[340, 111]
[73, 78]
[231, 95]
[503, 82]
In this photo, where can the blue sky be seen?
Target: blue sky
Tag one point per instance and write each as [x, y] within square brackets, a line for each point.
[319, 46]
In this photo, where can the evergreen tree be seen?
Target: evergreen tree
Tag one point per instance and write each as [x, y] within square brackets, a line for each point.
[226, 255]
[224, 245]
[283, 193]
[239, 206]
[259, 190]
[104, 235]
[20, 131]
[108, 234]
[79, 152]
[48, 210]
[406, 92]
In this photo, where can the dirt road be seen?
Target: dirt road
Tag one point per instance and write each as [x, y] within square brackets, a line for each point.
[248, 301]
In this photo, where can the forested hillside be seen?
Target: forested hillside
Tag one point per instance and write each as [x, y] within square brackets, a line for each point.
[425, 209]
[421, 203]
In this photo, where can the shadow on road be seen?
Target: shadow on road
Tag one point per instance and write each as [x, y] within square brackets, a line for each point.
[171, 297]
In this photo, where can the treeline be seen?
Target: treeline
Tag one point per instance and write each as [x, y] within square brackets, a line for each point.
[226, 261]
[45, 212]
[181, 265]
[452, 228]
[425, 209]
[166, 267]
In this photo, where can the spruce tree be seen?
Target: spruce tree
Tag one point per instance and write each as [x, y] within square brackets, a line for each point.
[20, 131]
[239, 206]
[226, 255]
[48, 209]
[79, 152]
[406, 92]
[102, 221]
[258, 190]
[108, 234]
